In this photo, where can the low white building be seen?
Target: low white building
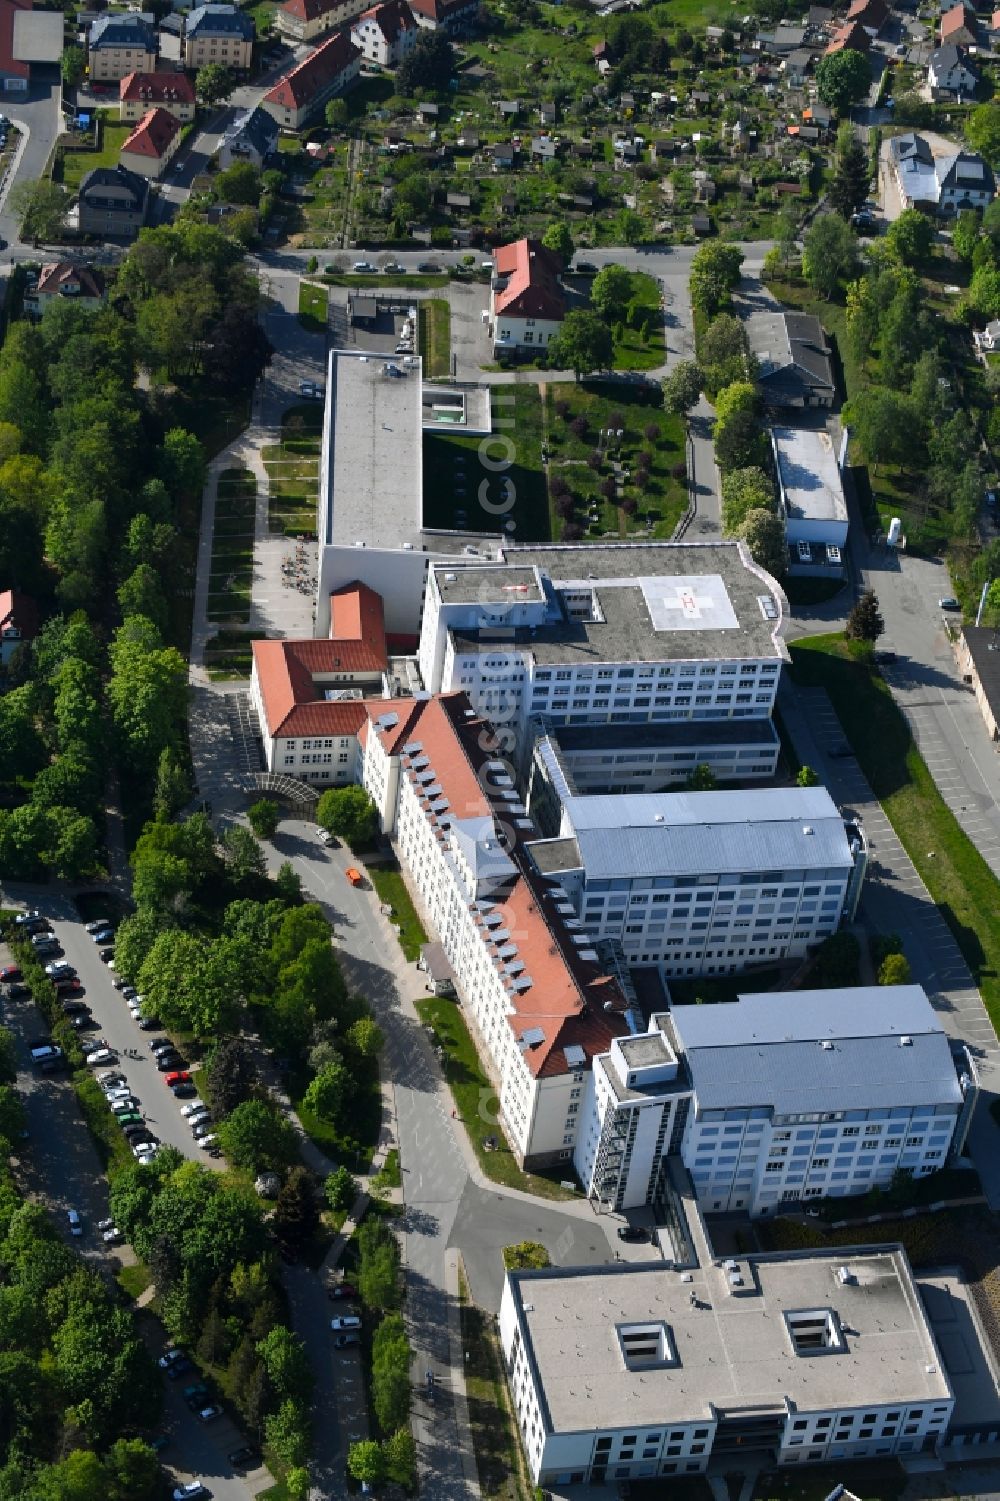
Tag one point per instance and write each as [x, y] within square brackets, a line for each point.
[625, 1372]
[706, 883]
[812, 499]
[777, 1098]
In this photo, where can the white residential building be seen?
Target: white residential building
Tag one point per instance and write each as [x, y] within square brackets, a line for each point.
[624, 1372]
[386, 33]
[706, 883]
[777, 1098]
[937, 176]
[812, 499]
[627, 633]
[527, 302]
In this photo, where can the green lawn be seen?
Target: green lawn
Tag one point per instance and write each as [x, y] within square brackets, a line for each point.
[454, 473]
[960, 882]
[494, 1435]
[435, 338]
[391, 889]
[134, 1279]
[231, 574]
[353, 1147]
[293, 472]
[313, 305]
[476, 1101]
[76, 164]
[632, 349]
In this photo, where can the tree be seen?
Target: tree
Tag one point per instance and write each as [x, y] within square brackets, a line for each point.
[910, 237]
[582, 344]
[724, 352]
[894, 970]
[340, 1190]
[982, 131]
[240, 183]
[256, 1136]
[337, 113]
[365, 1038]
[740, 396]
[429, 65]
[378, 1269]
[391, 1389]
[739, 442]
[263, 817]
[213, 85]
[984, 291]
[806, 777]
[8, 1057]
[967, 234]
[851, 180]
[40, 207]
[349, 813]
[72, 65]
[366, 1461]
[288, 883]
[173, 786]
[744, 490]
[682, 387]
[296, 1213]
[701, 779]
[842, 79]
[288, 1370]
[764, 534]
[829, 254]
[558, 239]
[287, 1432]
[399, 1451]
[836, 962]
[885, 424]
[181, 462]
[244, 856]
[715, 273]
[11, 1113]
[865, 622]
[231, 1075]
[142, 594]
[329, 1094]
[611, 292]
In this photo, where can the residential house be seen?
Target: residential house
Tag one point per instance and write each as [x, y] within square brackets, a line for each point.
[819, 16]
[950, 74]
[468, 141]
[959, 25]
[548, 113]
[386, 33]
[219, 34]
[819, 115]
[701, 224]
[988, 338]
[119, 45]
[82, 284]
[451, 16]
[527, 303]
[153, 143]
[329, 70]
[797, 66]
[872, 14]
[782, 40]
[112, 203]
[794, 361]
[138, 93]
[944, 182]
[461, 201]
[853, 37]
[979, 662]
[428, 113]
[15, 71]
[252, 137]
[504, 155]
[508, 109]
[544, 148]
[305, 20]
[18, 622]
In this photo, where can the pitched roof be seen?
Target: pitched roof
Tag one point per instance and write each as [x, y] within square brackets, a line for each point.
[557, 997]
[9, 64]
[18, 612]
[309, 10]
[156, 88]
[293, 705]
[869, 13]
[153, 135]
[59, 274]
[391, 18]
[255, 126]
[532, 272]
[853, 37]
[440, 10]
[119, 179]
[792, 353]
[943, 59]
[357, 614]
[315, 73]
[219, 20]
[116, 30]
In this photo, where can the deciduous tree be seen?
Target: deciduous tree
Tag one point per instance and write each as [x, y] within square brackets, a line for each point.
[682, 387]
[843, 78]
[583, 343]
[830, 253]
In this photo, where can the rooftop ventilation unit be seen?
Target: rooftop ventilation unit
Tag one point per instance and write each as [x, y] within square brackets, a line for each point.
[826, 1045]
[906, 1042]
[845, 1276]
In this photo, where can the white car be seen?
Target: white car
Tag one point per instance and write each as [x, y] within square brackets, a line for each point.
[102, 1056]
[75, 1222]
[209, 1141]
[117, 1092]
[144, 1149]
[190, 1491]
[195, 1108]
[98, 926]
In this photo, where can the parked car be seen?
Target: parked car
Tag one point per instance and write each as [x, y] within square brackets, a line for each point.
[354, 876]
[98, 925]
[343, 1341]
[112, 1235]
[25, 917]
[311, 390]
[202, 1128]
[325, 837]
[191, 1110]
[363, 268]
[195, 1395]
[110, 1081]
[246, 1457]
[428, 266]
[190, 1491]
[343, 1290]
[101, 1056]
[180, 1368]
[67, 983]
[347, 1321]
[633, 1234]
[37, 925]
[16, 990]
[210, 1413]
[160, 1045]
[168, 1063]
[75, 1222]
[585, 266]
[179, 1076]
[59, 967]
[208, 1143]
[103, 935]
[949, 602]
[183, 1091]
[10, 972]
[107, 956]
[46, 945]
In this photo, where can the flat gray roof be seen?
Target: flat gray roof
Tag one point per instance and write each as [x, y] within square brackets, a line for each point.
[484, 584]
[734, 1349]
[373, 483]
[679, 732]
[699, 833]
[659, 601]
[809, 473]
[803, 1051]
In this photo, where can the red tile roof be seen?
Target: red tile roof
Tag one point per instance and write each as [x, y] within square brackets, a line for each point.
[18, 612]
[308, 10]
[956, 19]
[532, 289]
[440, 10]
[156, 88]
[293, 703]
[315, 73]
[63, 273]
[391, 18]
[357, 615]
[853, 36]
[153, 135]
[869, 12]
[9, 64]
[567, 995]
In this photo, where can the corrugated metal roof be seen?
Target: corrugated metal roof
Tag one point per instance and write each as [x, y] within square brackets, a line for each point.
[694, 833]
[768, 1050]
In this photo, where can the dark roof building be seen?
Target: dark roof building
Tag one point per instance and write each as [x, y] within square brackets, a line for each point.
[219, 20]
[794, 364]
[979, 659]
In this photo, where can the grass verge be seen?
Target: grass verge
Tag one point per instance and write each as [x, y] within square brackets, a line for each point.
[351, 1148]
[231, 574]
[313, 306]
[134, 1279]
[476, 1100]
[293, 473]
[435, 338]
[966, 891]
[392, 890]
[633, 349]
[494, 1436]
[111, 1145]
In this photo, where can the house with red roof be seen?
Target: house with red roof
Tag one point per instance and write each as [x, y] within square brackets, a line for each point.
[872, 15]
[386, 33]
[63, 279]
[959, 25]
[451, 16]
[152, 145]
[329, 70]
[852, 37]
[18, 622]
[305, 20]
[527, 302]
[14, 72]
[138, 93]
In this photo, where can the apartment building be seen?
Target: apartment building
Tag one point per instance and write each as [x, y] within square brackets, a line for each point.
[625, 1372]
[533, 991]
[527, 301]
[305, 20]
[152, 146]
[219, 34]
[706, 883]
[141, 92]
[330, 69]
[777, 1098]
[385, 33]
[626, 634]
[118, 45]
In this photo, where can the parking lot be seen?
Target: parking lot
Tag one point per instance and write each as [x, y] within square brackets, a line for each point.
[386, 324]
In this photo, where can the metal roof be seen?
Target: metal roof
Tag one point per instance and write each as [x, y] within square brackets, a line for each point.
[693, 833]
[809, 1051]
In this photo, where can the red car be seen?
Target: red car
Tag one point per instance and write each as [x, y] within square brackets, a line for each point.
[10, 972]
[343, 1290]
[179, 1076]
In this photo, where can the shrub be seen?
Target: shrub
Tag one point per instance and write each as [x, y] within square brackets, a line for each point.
[678, 471]
[616, 420]
[629, 505]
[644, 459]
[562, 409]
[579, 426]
[558, 484]
[651, 432]
[594, 459]
[609, 489]
[564, 506]
[572, 531]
